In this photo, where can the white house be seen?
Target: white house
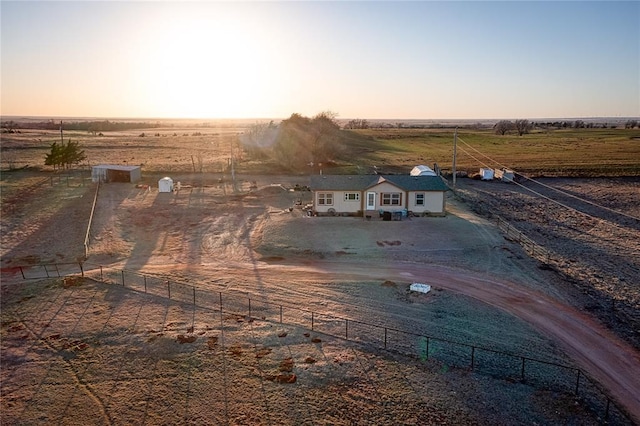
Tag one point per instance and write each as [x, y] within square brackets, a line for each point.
[165, 184]
[369, 195]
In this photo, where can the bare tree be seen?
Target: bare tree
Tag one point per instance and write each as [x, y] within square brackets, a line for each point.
[357, 123]
[523, 126]
[503, 126]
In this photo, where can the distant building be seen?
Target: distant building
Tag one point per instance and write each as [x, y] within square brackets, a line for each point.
[504, 175]
[486, 174]
[115, 173]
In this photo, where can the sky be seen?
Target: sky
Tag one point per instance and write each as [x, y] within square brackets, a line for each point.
[364, 59]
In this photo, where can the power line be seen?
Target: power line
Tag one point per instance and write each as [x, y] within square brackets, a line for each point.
[529, 189]
[557, 202]
[546, 186]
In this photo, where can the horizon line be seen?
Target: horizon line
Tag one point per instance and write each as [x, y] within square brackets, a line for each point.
[132, 118]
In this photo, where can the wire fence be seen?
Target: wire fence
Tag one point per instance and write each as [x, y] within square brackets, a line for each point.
[534, 249]
[513, 368]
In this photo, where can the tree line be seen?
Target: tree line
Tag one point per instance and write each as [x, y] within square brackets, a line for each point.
[94, 126]
[522, 126]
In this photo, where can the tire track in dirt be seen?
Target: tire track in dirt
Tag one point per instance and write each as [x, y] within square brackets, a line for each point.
[75, 375]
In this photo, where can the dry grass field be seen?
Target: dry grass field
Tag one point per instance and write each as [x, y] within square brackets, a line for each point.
[78, 350]
[130, 365]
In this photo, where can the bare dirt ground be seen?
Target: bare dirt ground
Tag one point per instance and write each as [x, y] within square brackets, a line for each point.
[594, 246]
[488, 292]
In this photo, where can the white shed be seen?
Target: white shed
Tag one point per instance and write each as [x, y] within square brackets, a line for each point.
[504, 175]
[165, 184]
[486, 174]
[422, 171]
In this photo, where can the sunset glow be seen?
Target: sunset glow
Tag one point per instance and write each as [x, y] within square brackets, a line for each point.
[358, 59]
[190, 68]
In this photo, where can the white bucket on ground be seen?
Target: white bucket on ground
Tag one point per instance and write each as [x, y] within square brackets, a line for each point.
[422, 288]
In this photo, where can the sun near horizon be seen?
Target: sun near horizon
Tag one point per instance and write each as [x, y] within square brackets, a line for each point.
[373, 60]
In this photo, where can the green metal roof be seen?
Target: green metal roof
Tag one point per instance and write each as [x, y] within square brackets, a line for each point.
[363, 182]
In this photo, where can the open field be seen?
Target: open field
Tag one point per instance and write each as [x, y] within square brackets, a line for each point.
[574, 152]
[567, 152]
[235, 240]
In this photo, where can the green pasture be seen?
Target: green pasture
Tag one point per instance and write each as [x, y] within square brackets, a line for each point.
[570, 152]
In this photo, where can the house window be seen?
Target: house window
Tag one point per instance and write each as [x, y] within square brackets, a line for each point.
[325, 198]
[391, 199]
[419, 199]
[352, 196]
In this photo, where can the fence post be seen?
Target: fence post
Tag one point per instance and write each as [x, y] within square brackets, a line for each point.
[220, 294]
[427, 354]
[145, 283]
[101, 277]
[346, 329]
[385, 338]
[194, 295]
[22, 272]
[81, 270]
[473, 355]
[249, 307]
[58, 271]
[280, 314]
[311, 320]
[45, 269]
[122, 272]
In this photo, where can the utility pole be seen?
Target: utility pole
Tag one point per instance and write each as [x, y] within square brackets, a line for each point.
[61, 137]
[233, 172]
[455, 145]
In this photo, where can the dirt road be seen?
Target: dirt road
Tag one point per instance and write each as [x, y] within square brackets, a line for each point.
[597, 351]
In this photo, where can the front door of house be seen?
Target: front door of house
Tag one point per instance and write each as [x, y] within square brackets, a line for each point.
[371, 200]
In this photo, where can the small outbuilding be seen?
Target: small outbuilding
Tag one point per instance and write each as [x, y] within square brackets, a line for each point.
[116, 173]
[504, 175]
[486, 174]
[422, 171]
[165, 184]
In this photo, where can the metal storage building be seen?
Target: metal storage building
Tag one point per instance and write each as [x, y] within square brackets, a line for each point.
[115, 173]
